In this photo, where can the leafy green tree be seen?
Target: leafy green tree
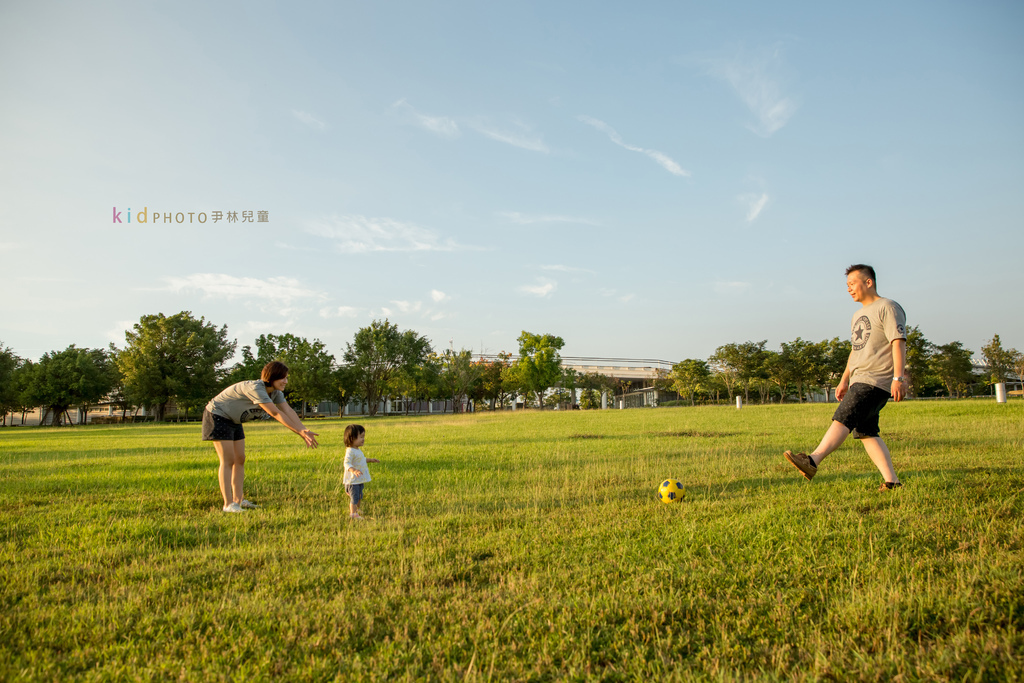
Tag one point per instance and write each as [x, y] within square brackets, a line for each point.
[344, 387]
[491, 387]
[918, 364]
[828, 362]
[777, 371]
[379, 353]
[690, 376]
[72, 377]
[593, 385]
[952, 365]
[725, 362]
[174, 357]
[9, 399]
[459, 376]
[800, 358]
[998, 359]
[22, 383]
[539, 364]
[743, 362]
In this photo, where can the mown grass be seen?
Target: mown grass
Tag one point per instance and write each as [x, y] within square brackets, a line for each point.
[525, 546]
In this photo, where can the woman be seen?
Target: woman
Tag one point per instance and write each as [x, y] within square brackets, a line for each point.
[222, 424]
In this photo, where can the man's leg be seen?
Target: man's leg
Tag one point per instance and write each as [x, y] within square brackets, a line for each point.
[879, 454]
[833, 439]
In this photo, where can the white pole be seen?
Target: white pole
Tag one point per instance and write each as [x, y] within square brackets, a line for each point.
[1001, 392]
[604, 400]
[739, 402]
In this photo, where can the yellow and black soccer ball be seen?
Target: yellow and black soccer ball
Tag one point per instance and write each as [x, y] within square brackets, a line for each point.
[670, 491]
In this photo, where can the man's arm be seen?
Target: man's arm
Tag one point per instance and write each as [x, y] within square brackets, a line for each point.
[899, 369]
[844, 382]
[286, 416]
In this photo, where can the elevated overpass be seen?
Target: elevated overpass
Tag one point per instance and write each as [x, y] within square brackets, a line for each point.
[636, 370]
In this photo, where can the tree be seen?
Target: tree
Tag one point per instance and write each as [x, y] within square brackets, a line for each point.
[742, 361]
[9, 399]
[174, 357]
[492, 387]
[1018, 365]
[799, 358]
[539, 364]
[459, 375]
[918, 365]
[952, 364]
[22, 383]
[998, 359]
[379, 353]
[593, 385]
[690, 376]
[72, 377]
[725, 363]
[344, 387]
[829, 363]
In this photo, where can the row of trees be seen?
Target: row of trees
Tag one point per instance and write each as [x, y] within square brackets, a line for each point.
[802, 367]
[182, 359]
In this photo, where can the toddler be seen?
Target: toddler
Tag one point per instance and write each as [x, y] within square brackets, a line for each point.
[356, 472]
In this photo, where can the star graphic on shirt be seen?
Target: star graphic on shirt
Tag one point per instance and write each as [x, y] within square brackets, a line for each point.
[858, 333]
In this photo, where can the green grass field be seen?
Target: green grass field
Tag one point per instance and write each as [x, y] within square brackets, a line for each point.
[521, 546]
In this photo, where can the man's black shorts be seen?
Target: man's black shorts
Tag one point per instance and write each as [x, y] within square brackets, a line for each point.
[217, 428]
[859, 409]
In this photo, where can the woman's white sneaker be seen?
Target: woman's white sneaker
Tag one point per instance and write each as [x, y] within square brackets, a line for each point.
[248, 505]
[234, 507]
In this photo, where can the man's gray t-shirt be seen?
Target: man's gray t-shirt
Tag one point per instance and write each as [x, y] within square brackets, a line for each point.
[874, 328]
[240, 402]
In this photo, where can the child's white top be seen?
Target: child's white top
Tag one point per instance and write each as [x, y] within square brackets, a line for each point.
[355, 458]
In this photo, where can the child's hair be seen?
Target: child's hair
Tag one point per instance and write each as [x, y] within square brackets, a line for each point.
[352, 433]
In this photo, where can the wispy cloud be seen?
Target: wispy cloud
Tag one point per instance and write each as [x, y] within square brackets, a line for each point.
[614, 294]
[754, 203]
[542, 288]
[439, 125]
[309, 120]
[359, 234]
[280, 290]
[513, 132]
[521, 135]
[116, 333]
[528, 219]
[417, 308]
[339, 312]
[755, 81]
[661, 158]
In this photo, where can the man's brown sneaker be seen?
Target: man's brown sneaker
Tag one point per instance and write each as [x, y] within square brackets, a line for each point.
[890, 485]
[802, 462]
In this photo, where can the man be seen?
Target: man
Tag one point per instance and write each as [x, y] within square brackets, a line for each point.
[874, 373]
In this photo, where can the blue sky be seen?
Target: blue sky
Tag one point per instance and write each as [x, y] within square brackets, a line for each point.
[645, 180]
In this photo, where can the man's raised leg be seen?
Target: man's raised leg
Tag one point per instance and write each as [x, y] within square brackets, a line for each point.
[833, 439]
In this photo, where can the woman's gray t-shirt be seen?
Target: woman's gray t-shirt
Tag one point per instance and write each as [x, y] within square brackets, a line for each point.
[240, 402]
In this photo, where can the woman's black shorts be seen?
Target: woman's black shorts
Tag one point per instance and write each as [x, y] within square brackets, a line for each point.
[859, 410]
[217, 428]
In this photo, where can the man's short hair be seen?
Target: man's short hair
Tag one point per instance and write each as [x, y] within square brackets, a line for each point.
[273, 371]
[868, 271]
